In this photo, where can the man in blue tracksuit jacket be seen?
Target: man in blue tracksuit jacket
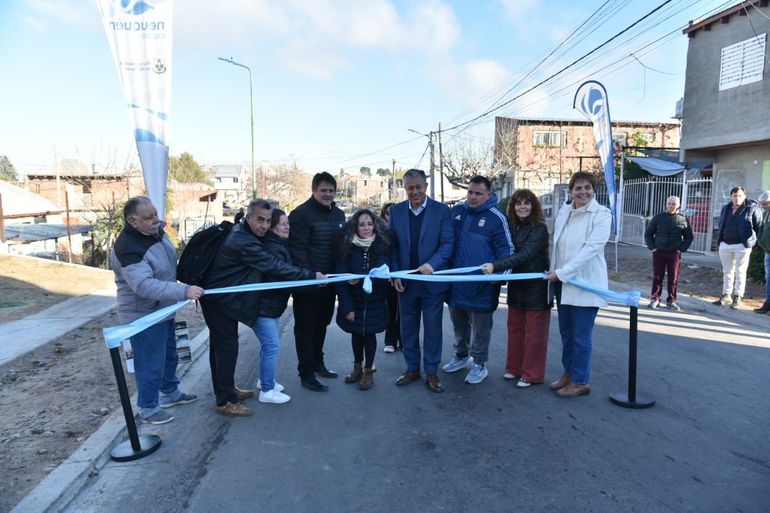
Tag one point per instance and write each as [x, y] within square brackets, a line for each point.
[482, 235]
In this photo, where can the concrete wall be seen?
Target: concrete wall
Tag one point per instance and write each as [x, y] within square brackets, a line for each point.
[733, 116]
[748, 167]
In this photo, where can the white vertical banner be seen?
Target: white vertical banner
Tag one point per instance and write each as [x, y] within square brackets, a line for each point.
[591, 101]
[139, 32]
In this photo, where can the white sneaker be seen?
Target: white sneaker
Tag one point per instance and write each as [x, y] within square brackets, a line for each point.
[278, 387]
[455, 364]
[477, 374]
[274, 397]
[389, 349]
[508, 375]
[523, 383]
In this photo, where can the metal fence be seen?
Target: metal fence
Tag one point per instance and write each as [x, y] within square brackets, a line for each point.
[643, 198]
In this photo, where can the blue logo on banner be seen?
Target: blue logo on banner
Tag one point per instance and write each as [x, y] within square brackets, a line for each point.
[142, 135]
[135, 6]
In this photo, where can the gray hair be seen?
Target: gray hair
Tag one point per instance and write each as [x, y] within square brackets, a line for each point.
[258, 203]
[765, 196]
[129, 209]
[415, 173]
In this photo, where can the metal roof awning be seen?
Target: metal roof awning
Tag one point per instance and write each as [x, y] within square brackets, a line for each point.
[43, 231]
[658, 167]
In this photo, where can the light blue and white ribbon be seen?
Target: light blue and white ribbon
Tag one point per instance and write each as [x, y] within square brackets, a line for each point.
[115, 335]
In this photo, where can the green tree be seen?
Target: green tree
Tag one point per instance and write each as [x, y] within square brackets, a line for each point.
[383, 171]
[366, 171]
[7, 171]
[185, 169]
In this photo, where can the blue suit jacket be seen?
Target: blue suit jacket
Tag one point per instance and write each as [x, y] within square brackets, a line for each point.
[436, 243]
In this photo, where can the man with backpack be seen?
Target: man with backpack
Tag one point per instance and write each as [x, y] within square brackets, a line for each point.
[241, 259]
[144, 263]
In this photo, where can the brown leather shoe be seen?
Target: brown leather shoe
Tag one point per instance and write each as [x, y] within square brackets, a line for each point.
[407, 377]
[562, 382]
[234, 410]
[367, 379]
[355, 374]
[433, 383]
[242, 395]
[573, 390]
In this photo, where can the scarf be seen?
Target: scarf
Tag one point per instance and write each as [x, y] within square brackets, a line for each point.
[363, 243]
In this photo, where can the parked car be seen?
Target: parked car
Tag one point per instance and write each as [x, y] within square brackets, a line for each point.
[698, 214]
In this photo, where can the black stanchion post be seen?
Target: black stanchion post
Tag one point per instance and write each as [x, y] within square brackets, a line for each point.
[136, 446]
[631, 399]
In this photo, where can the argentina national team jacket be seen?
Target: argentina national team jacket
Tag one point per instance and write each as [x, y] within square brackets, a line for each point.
[482, 235]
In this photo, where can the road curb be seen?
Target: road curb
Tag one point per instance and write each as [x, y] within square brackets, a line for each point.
[62, 485]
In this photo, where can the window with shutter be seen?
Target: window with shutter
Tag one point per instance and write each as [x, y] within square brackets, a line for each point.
[743, 62]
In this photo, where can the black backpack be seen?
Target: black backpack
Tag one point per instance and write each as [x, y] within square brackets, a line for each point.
[199, 253]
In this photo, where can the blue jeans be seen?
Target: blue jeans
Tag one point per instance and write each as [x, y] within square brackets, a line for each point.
[767, 277]
[155, 361]
[267, 331]
[576, 325]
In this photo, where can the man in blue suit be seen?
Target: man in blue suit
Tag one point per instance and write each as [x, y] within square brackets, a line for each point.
[423, 240]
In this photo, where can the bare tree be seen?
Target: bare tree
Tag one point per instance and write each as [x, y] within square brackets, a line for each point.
[467, 159]
[287, 184]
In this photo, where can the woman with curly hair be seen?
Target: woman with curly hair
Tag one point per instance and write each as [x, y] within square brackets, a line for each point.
[529, 305]
[364, 246]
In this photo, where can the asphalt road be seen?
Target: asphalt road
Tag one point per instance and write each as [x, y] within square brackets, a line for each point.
[485, 448]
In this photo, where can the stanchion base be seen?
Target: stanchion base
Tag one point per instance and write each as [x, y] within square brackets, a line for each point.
[124, 452]
[642, 401]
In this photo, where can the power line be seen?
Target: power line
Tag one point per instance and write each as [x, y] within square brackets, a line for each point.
[490, 111]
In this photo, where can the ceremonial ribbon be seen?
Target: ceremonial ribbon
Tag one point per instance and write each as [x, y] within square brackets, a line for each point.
[113, 336]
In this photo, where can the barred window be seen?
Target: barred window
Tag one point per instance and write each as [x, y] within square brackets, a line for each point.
[550, 139]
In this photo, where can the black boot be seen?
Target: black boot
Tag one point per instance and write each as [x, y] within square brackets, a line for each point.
[764, 308]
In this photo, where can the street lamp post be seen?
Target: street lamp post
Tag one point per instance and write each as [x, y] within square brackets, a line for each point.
[251, 110]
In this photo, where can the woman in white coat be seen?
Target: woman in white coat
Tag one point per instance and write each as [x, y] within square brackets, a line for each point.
[582, 230]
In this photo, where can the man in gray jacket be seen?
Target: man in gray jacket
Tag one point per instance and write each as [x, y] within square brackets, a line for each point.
[144, 263]
[668, 236]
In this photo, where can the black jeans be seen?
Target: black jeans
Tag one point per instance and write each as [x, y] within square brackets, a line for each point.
[364, 344]
[223, 353]
[313, 309]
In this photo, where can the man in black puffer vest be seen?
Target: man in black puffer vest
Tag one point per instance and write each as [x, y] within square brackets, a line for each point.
[668, 236]
[315, 226]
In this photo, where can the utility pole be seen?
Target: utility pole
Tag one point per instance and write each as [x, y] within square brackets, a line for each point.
[393, 182]
[441, 162]
[432, 167]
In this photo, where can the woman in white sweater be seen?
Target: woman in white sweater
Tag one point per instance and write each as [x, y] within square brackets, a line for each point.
[581, 231]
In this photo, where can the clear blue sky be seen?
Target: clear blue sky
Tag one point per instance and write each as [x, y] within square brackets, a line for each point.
[333, 79]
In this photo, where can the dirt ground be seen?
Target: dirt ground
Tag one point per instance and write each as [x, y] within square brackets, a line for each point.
[695, 279]
[53, 398]
[29, 285]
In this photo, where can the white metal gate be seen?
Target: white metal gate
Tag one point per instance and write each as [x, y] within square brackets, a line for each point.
[644, 197]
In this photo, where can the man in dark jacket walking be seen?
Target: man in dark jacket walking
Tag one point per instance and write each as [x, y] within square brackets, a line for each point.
[482, 235]
[314, 227]
[144, 263]
[668, 236]
[241, 260]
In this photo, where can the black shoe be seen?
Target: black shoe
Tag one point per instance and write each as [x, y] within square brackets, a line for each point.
[763, 309]
[322, 371]
[314, 385]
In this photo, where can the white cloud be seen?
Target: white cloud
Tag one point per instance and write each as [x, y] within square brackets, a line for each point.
[520, 12]
[484, 77]
[300, 32]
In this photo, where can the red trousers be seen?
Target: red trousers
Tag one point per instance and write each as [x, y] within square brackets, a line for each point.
[528, 343]
[665, 263]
